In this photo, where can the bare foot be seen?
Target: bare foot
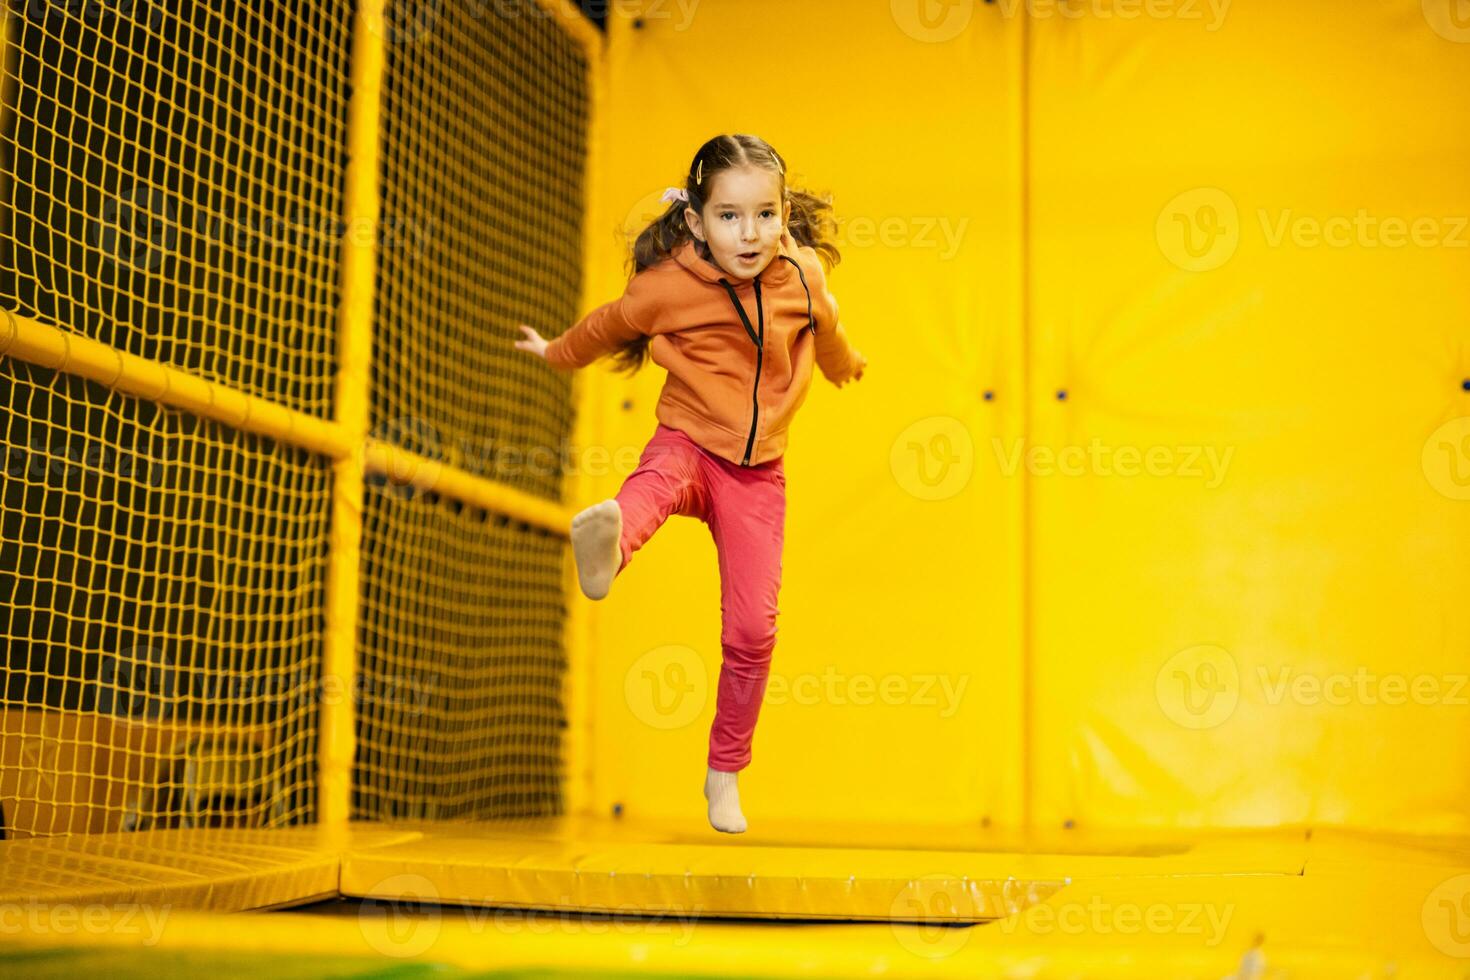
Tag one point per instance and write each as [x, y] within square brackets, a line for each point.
[596, 536]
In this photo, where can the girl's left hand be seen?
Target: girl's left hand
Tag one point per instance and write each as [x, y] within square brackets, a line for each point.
[533, 343]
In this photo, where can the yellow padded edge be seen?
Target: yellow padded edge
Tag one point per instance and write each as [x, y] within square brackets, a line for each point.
[581, 864]
[218, 869]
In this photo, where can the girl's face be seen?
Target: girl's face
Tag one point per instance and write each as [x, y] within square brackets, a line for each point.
[742, 220]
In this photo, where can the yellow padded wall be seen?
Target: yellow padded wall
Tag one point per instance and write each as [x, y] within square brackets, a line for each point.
[1199, 561]
[1249, 246]
[895, 690]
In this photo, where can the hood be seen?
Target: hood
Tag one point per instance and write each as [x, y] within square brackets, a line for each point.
[775, 273]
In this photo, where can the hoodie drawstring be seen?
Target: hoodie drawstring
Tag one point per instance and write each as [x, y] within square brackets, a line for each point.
[810, 319]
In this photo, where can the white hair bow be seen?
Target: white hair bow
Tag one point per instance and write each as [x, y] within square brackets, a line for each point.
[676, 194]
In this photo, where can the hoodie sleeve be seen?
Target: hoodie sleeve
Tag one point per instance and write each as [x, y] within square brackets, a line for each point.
[606, 328]
[835, 354]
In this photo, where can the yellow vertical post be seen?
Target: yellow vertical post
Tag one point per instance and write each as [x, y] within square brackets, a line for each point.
[579, 683]
[1028, 486]
[359, 261]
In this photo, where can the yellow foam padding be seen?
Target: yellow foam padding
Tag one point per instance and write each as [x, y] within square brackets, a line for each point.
[1370, 909]
[1263, 624]
[783, 871]
[218, 869]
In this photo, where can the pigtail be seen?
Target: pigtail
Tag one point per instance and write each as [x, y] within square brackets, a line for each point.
[812, 224]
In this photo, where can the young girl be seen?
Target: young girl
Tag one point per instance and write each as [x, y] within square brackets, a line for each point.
[729, 295]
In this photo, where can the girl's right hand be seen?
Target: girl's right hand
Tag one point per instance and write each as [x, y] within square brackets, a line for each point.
[533, 343]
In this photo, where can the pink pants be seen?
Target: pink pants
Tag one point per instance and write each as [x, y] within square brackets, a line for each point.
[745, 508]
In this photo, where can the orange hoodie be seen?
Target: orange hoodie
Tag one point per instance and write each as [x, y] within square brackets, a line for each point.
[739, 352]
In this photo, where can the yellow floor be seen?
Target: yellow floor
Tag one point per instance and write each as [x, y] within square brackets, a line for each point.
[1312, 903]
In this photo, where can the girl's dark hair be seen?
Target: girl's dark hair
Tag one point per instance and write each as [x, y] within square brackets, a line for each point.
[811, 221]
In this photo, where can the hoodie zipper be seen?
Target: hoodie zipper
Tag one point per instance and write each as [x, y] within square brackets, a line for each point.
[760, 349]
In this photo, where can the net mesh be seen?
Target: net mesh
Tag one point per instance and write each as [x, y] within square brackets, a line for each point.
[161, 589]
[460, 706]
[485, 115]
[173, 178]
[484, 144]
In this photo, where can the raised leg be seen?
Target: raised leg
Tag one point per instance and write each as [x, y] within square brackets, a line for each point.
[668, 480]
